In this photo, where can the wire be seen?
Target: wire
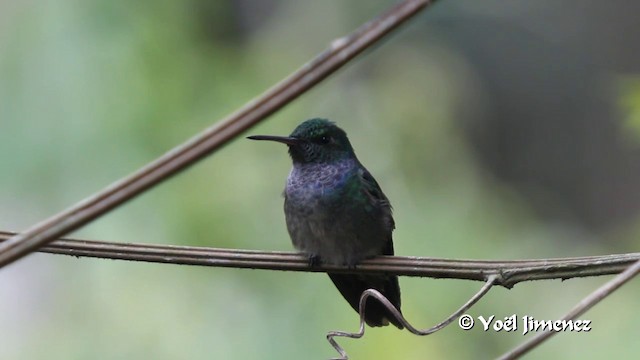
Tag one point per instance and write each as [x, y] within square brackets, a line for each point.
[508, 273]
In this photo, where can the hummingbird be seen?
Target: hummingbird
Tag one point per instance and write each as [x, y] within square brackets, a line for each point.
[337, 214]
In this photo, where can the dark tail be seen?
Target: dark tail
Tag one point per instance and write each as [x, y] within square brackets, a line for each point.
[352, 286]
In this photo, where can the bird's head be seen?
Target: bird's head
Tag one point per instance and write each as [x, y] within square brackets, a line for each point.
[314, 141]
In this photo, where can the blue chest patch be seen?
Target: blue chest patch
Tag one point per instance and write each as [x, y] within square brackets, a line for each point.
[310, 181]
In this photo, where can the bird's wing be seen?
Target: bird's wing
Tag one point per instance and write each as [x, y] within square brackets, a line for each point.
[378, 199]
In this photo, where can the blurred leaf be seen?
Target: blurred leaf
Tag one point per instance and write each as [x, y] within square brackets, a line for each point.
[630, 104]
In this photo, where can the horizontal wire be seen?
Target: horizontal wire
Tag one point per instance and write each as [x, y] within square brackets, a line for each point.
[508, 272]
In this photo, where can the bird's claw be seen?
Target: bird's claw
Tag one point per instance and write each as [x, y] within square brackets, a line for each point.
[314, 261]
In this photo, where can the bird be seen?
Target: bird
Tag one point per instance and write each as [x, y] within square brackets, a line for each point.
[336, 213]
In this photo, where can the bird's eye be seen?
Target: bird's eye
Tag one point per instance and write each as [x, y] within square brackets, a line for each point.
[324, 139]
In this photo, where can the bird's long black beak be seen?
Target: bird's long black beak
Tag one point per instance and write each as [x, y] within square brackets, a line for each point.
[281, 139]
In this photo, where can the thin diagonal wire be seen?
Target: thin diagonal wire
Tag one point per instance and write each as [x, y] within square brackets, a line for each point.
[510, 272]
[583, 306]
[205, 143]
[398, 315]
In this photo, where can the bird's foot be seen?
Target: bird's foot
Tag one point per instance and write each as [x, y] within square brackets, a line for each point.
[351, 265]
[314, 261]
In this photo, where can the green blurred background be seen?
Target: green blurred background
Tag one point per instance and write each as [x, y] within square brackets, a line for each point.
[499, 130]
